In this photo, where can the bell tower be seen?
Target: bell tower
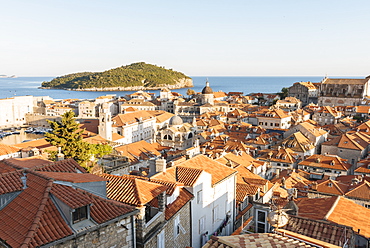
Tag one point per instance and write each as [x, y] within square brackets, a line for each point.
[105, 122]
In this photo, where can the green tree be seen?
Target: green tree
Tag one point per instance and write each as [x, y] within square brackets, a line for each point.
[67, 135]
[190, 92]
[284, 93]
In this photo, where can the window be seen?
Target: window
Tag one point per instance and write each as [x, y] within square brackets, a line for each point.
[215, 214]
[202, 222]
[79, 214]
[176, 228]
[160, 240]
[261, 221]
[199, 196]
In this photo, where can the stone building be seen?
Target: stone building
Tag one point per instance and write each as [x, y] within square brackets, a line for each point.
[307, 92]
[164, 209]
[59, 204]
[177, 134]
[352, 146]
[343, 91]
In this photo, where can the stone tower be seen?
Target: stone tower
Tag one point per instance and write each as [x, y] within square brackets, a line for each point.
[105, 122]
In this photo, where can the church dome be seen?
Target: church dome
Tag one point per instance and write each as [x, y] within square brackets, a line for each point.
[207, 89]
[176, 120]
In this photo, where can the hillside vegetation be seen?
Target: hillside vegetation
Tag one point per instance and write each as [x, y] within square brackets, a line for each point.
[137, 74]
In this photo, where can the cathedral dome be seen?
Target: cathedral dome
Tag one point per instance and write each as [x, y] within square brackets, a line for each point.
[176, 120]
[207, 89]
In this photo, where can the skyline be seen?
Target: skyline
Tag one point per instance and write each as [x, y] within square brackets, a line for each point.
[245, 38]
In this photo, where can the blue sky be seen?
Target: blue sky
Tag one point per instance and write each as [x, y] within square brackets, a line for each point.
[199, 38]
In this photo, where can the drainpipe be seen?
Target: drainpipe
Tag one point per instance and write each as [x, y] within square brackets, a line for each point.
[133, 233]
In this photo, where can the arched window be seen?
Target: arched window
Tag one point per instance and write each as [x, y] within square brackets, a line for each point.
[190, 135]
[167, 137]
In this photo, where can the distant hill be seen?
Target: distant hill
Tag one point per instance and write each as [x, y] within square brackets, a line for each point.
[137, 76]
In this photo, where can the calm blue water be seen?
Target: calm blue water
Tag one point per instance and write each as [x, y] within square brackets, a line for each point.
[22, 86]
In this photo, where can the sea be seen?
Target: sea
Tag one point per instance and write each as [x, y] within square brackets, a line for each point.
[21, 86]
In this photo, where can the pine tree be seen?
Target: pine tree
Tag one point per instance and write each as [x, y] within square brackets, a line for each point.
[67, 135]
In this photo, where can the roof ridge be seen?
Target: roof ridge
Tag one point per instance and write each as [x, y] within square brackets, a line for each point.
[35, 223]
[331, 210]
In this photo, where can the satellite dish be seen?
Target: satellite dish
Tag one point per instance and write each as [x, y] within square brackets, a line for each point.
[277, 218]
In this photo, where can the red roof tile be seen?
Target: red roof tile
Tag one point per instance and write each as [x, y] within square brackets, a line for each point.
[31, 216]
[183, 198]
[130, 190]
[10, 182]
[72, 177]
[70, 196]
[6, 149]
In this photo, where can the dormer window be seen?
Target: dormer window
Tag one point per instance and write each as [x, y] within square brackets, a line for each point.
[332, 162]
[79, 214]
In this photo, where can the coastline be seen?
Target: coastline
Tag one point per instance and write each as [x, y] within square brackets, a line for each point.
[184, 83]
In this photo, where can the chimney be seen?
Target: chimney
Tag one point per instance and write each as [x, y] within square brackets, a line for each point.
[160, 165]
[277, 172]
[314, 186]
[60, 155]
[24, 180]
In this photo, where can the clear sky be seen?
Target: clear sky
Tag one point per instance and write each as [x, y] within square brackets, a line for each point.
[199, 38]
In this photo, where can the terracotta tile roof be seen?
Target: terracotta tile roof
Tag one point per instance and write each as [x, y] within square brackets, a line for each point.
[6, 149]
[10, 182]
[255, 240]
[282, 155]
[237, 160]
[331, 187]
[325, 231]
[246, 176]
[336, 209]
[103, 210]
[116, 136]
[97, 139]
[202, 163]
[38, 163]
[29, 162]
[131, 190]
[187, 176]
[90, 126]
[345, 81]
[298, 142]
[359, 191]
[161, 115]
[312, 129]
[32, 218]
[137, 151]
[72, 177]
[39, 143]
[243, 190]
[183, 198]
[5, 167]
[314, 208]
[70, 196]
[129, 118]
[347, 212]
[327, 162]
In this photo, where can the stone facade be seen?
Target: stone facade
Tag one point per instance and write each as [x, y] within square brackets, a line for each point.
[307, 92]
[183, 238]
[343, 92]
[117, 234]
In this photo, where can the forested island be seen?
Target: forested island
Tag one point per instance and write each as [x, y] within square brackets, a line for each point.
[137, 76]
